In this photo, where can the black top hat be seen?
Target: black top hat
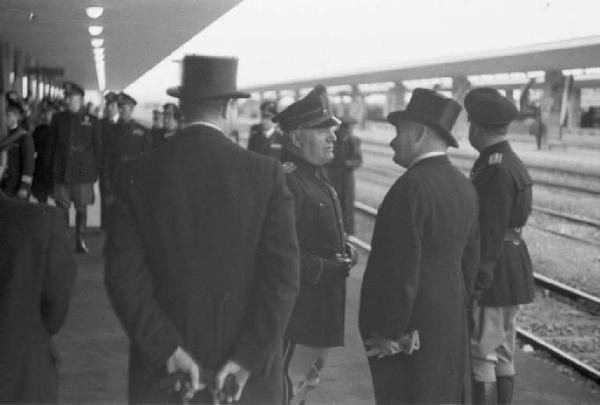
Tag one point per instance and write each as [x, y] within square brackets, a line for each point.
[432, 109]
[208, 77]
[312, 111]
[72, 88]
[124, 98]
[486, 106]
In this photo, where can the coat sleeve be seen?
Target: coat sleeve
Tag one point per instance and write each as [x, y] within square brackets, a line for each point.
[495, 201]
[130, 288]
[59, 275]
[277, 285]
[399, 261]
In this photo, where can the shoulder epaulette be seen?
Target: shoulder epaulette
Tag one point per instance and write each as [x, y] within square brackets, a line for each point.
[495, 158]
[288, 167]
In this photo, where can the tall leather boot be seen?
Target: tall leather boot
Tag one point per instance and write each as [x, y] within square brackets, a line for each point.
[505, 387]
[80, 222]
[483, 393]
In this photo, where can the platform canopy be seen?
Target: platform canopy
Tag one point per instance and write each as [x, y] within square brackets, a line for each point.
[137, 34]
[295, 43]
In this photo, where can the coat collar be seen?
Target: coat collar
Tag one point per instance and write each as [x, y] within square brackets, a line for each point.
[499, 147]
[432, 161]
[302, 164]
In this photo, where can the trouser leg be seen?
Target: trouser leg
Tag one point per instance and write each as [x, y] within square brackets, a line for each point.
[505, 387]
[303, 365]
[80, 222]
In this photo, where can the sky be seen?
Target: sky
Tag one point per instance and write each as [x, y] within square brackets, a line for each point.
[284, 40]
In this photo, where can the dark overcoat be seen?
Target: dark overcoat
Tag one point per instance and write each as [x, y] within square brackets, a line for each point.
[37, 272]
[42, 175]
[505, 197]
[202, 253]
[319, 314]
[347, 157]
[20, 162]
[76, 147]
[257, 140]
[424, 258]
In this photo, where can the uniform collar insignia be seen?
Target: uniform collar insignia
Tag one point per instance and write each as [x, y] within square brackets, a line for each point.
[289, 167]
[495, 158]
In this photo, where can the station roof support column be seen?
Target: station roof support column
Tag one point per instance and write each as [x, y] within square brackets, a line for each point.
[395, 98]
[550, 105]
[357, 108]
[18, 69]
[460, 87]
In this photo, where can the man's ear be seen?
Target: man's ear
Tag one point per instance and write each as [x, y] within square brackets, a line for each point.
[420, 131]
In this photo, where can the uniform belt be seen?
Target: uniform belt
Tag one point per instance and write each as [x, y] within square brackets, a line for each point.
[513, 235]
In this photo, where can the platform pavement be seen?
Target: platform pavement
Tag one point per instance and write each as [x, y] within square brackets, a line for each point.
[94, 353]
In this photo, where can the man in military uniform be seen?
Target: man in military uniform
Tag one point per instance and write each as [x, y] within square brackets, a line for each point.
[171, 123]
[37, 272]
[317, 323]
[76, 150]
[347, 157]
[505, 280]
[17, 180]
[107, 125]
[424, 258]
[264, 137]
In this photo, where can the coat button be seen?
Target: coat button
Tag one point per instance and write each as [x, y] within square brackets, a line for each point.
[516, 242]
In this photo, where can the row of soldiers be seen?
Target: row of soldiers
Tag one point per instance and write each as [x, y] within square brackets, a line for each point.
[70, 149]
[228, 269]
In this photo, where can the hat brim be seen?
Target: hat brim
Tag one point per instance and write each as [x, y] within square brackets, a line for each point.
[322, 122]
[178, 93]
[398, 116]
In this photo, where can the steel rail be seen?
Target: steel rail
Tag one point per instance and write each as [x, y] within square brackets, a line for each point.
[528, 337]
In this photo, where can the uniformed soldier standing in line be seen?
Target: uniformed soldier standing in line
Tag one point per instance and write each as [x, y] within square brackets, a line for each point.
[16, 181]
[506, 280]
[347, 157]
[107, 125]
[171, 123]
[42, 176]
[317, 323]
[264, 138]
[76, 156]
[37, 272]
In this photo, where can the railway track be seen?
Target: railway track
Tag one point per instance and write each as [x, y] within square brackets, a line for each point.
[576, 219]
[542, 281]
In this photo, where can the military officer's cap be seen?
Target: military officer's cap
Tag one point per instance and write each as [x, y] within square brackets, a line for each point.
[487, 107]
[124, 98]
[110, 97]
[269, 108]
[71, 88]
[432, 109]
[172, 109]
[312, 111]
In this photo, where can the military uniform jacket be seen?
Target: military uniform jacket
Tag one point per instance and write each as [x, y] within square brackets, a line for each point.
[318, 318]
[21, 163]
[424, 258]
[347, 158]
[37, 272]
[76, 147]
[209, 263]
[504, 188]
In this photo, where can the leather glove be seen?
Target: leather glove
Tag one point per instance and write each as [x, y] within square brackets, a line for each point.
[352, 254]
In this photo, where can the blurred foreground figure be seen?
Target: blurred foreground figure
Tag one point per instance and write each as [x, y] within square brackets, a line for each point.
[424, 258]
[506, 278]
[347, 157]
[201, 255]
[37, 271]
[317, 323]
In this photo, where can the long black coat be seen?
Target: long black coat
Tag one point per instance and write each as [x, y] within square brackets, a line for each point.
[347, 158]
[202, 253]
[319, 315]
[504, 188]
[76, 147]
[37, 272]
[424, 258]
[42, 175]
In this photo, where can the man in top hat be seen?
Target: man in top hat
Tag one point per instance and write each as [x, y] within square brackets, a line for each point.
[347, 157]
[424, 258]
[37, 271]
[171, 123]
[264, 138]
[202, 256]
[506, 279]
[317, 323]
[42, 175]
[18, 177]
[76, 156]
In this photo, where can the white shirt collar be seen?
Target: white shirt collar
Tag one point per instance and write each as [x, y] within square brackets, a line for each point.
[425, 156]
[205, 123]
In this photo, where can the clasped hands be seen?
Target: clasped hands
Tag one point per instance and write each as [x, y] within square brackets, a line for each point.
[380, 346]
[181, 361]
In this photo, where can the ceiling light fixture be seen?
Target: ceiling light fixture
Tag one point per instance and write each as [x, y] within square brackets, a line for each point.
[98, 51]
[95, 30]
[97, 42]
[94, 12]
